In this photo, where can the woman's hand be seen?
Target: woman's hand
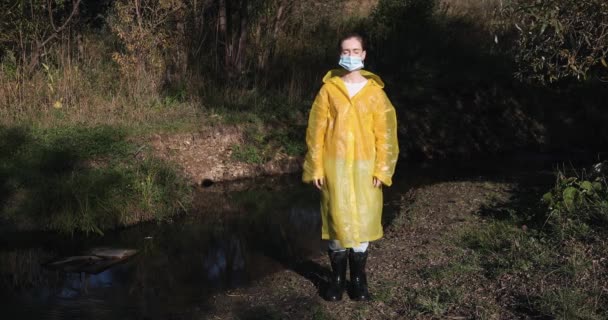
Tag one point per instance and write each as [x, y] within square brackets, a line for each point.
[376, 182]
[319, 183]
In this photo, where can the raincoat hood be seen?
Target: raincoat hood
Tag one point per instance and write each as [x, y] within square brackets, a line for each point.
[333, 76]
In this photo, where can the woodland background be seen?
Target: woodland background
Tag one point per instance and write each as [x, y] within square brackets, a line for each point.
[468, 77]
[83, 83]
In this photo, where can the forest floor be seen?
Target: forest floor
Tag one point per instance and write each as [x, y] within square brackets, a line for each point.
[418, 270]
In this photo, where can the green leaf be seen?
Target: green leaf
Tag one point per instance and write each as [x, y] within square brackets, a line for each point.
[543, 28]
[571, 196]
[587, 186]
[548, 198]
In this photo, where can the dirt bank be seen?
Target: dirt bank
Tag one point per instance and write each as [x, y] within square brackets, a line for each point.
[207, 155]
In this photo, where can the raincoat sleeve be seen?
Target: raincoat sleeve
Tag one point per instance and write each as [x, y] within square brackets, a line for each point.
[315, 137]
[387, 147]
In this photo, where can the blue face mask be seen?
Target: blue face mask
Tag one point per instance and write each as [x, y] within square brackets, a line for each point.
[351, 63]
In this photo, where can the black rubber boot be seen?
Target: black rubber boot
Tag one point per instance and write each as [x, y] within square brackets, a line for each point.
[337, 282]
[358, 278]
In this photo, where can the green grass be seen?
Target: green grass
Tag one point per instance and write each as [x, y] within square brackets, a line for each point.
[435, 301]
[569, 304]
[506, 248]
[385, 291]
[270, 122]
[319, 313]
[83, 179]
[454, 270]
[550, 268]
[249, 154]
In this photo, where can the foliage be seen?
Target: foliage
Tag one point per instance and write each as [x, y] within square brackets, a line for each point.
[403, 31]
[576, 206]
[559, 39]
[120, 55]
[77, 179]
[27, 28]
[154, 62]
[151, 37]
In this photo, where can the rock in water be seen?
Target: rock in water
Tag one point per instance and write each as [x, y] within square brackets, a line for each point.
[94, 261]
[111, 253]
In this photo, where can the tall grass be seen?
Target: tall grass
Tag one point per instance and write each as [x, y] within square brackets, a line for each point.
[96, 76]
[82, 179]
[84, 86]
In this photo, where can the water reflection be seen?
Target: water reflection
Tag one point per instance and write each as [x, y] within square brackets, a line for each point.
[237, 234]
[224, 263]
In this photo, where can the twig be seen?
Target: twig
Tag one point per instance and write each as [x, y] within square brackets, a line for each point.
[65, 23]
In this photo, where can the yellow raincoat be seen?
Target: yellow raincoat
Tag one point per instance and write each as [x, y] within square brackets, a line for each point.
[350, 141]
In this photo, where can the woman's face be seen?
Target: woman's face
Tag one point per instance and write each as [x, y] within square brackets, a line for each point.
[352, 47]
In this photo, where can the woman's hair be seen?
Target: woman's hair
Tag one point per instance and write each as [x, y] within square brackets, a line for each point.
[349, 36]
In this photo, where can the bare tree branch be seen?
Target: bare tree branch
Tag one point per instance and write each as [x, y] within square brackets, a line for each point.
[65, 24]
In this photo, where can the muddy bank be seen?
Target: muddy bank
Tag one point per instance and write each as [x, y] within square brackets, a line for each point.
[207, 155]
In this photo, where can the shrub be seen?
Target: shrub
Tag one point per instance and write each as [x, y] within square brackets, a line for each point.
[577, 206]
[558, 39]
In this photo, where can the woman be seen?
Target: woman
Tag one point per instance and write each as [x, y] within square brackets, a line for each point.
[352, 152]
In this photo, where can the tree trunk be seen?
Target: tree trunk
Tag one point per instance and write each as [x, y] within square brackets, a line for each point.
[240, 56]
[223, 35]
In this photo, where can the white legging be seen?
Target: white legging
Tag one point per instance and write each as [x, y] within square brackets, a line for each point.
[334, 245]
